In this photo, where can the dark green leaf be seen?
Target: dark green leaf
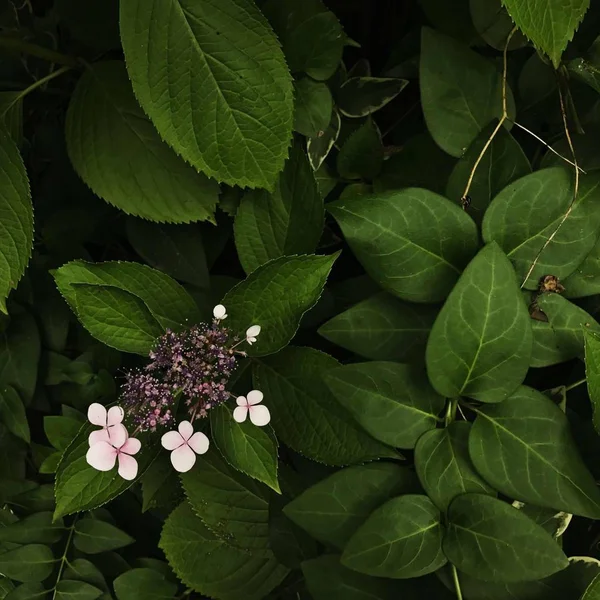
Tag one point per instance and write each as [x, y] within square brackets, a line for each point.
[312, 107]
[494, 25]
[593, 591]
[81, 569]
[12, 414]
[318, 148]
[144, 584]
[76, 590]
[555, 523]
[93, 536]
[28, 591]
[480, 343]
[361, 155]
[361, 96]
[585, 281]
[592, 371]
[31, 563]
[160, 484]
[60, 431]
[38, 528]
[586, 71]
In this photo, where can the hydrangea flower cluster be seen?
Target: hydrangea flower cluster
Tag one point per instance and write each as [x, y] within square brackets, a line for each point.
[193, 367]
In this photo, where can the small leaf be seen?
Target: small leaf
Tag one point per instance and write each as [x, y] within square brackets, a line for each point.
[401, 539]
[81, 569]
[523, 447]
[413, 242]
[493, 541]
[318, 148]
[38, 528]
[333, 509]
[144, 584]
[76, 590]
[312, 107]
[394, 403]
[592, 371]
[444, 466]
[362, 96]
[228, 68]
[107, 132]
[30, 563]
[480, 343]
[306, 416]
[361, 155]
[60, 431]
[93, 536]
[247, 448]
[12, 414]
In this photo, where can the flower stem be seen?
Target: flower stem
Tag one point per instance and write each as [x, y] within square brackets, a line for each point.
[21, 46]
[459, 595]
[42, 81]
[568, 388]
[63, 558]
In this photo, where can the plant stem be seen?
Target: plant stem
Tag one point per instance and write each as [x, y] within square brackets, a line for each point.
[459, 595]
[568, 388]
[17, 45]
[42, 81]
[63, 558]
[450, 411]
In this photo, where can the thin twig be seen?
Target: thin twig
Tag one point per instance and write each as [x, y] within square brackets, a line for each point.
[568, 388]
[63, 558]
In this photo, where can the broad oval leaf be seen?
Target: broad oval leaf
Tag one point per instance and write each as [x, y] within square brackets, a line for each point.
[306, 416]
[444, 466]
[523, 447]
[362, 96]
[144, 584]
[93, 536]
[401, 539]
[76, 590]
[394, 403]
[12, 413]
[333, 509]
[480, 343]
[107, 132]
[525, 214]
[210, 566]
[28, 591]
[313, 106]
[30, 563]
[38, 528]
[585, 280]
[227, 68]
[413, 242]
[489, 539]
[592, 371]
[16, 227]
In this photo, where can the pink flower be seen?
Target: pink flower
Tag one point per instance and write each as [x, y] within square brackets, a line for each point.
[103, 455]
[185, 444]
[113, 431]
[259, 415]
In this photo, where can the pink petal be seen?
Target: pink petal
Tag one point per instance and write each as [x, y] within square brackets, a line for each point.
[198, 443]
[240, 414]
[128, 467]
[186, 429]
[97, 414]
[183, 459]
[118, 435]
[102, 456]
[260, 415]
[131, 446]
[115, 415]
[254, 397]
[100, 435]
[241, 401]
[172, 440]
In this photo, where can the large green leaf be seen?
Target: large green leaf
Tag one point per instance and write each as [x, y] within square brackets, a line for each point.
[93, 536]
[491, 540]
[288, 221]
[28, 591]
[12, 413]
[207, 564]
[585, 280]
[523, 447]
[306, 416]
[230, 504]
[524, 215]
[394, 403]
[561, 337]
[16, 225]
[382, 327]
[461, 91]
[107, 132]
[275, 296]
[592, 371]
[333, 509]
[76, 590]
[480, 343]
[549, 24]
[401, 539]
[313, 107]
[211, 76]
[30, 563]
[413, 242]
[444, 466]
[144, 584]
[38, 528]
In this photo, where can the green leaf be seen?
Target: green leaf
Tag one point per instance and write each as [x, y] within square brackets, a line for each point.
[93, 536]
[28, 591]
[361, 156]
[333, 509]
[11, 115]
[108, 132]
[382, 327]
[247, 448]
[480, 343]
[593, 591]
[144, 584]
[503, 162]
[491, 540]
[523, 447]
[444, 466]
[549, 24]
[16, 228]
[494, 25]
[306, 416]
[76, 590]
[561, 337]
[555, 523]
[524, 216]
[81, 569]
[394, 403]
[234, 507]
[313, 106]
[60, 431]
[461, 92]
[585, 281]
[38, 528]
[227, 67]
[160, 485]
[176, 250]
[592, 371]
[288, 221]
[296, 22]
[362, 96]
[401, 539]
[30, 563]
[12, 414]
[318, 148]
[585, 71]
[207, 564]
[413, 242]
[258, 300]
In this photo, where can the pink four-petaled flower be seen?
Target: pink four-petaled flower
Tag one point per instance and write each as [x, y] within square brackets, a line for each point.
[111, 422]
[184, 445]
[103, 455]
[259, 415]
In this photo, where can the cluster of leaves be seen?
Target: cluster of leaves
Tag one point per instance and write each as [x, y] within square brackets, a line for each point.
[407, 193]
